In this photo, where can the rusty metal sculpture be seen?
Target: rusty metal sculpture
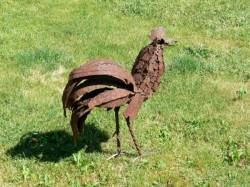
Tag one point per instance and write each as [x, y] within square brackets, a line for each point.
[103, 83]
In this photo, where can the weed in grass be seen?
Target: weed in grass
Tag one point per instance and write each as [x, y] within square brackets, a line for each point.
[222, 126]
[46, 181]
[165, 134]
[246, 78]
[77, 159]
[191, 163]
[234, 153]
[240, 93]
[82, 162]
[103, 178]
[158, 183]
[143, 163]
[160, 165]
[25, 172]
[193, 129]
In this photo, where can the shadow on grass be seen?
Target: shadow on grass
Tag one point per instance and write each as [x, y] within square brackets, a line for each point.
[55, 145]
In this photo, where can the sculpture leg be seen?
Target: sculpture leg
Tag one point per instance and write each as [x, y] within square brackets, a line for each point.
[131, 130]
[81, 123]
[117, 131]
[77, 124]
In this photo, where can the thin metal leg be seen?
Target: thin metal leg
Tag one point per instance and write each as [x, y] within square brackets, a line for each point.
[131, 130]
[117, 133]
[117, 130]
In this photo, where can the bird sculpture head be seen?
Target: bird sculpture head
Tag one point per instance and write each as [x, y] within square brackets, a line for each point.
[158, 36]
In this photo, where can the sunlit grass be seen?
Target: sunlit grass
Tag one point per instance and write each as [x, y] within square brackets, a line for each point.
[194, 131]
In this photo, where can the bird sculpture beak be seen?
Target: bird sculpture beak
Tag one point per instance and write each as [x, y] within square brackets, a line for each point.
[170, 42]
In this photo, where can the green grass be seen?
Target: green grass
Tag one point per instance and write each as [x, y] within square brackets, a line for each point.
[195, 131]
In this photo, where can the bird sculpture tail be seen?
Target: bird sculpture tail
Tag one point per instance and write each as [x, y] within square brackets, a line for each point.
[101, 83]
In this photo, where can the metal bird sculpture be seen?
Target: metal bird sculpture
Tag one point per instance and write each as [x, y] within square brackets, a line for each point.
[104, 83]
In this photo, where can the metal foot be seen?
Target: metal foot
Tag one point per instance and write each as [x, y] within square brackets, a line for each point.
[118, 154]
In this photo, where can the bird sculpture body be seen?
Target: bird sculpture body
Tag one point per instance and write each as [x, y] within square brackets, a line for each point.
[104, 83]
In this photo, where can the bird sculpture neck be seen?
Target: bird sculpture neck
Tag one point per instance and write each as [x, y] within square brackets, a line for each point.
[148, 69]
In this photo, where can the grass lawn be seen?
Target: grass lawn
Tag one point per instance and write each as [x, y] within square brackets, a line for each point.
[195, 131]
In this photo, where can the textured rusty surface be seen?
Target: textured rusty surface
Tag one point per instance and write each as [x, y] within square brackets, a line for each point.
[104, 83]
[94, 75]
[116, 103]
[148, 69]
[149, 65]
[133, 107]
[109, 96]
[102, 67]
